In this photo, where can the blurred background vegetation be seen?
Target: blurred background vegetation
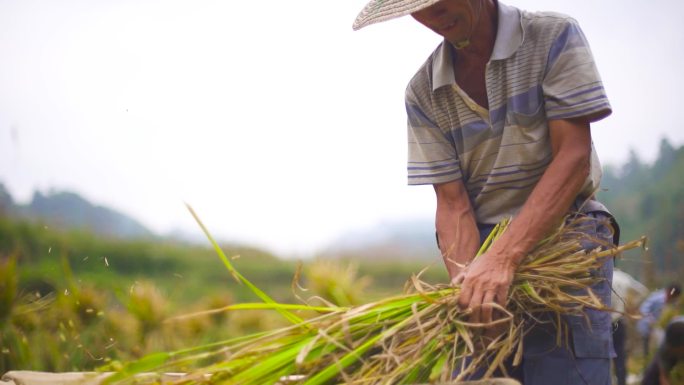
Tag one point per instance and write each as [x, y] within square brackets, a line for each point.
[648, 199]
[74, 300]
[76, 294]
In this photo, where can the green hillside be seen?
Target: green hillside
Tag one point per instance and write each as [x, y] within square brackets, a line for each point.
[185, 272]
[65, 209]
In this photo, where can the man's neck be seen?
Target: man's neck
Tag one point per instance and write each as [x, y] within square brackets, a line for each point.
[483, 37]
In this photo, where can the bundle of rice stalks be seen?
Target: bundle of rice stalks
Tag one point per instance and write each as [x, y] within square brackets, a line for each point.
[420, 336]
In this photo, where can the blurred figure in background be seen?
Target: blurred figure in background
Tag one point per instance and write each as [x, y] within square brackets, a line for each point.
[652, 308]
[667, 367]
[627, 294]
[671, 310]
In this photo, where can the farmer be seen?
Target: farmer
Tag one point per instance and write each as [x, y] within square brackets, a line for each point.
[499, 123]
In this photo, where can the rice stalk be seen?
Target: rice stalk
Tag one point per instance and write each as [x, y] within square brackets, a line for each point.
[419, 336]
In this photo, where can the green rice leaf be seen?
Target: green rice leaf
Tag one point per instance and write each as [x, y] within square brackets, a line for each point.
[288, 315]
[438, 367]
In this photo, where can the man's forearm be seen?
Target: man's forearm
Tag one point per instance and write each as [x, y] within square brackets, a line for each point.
[459, 238]
[548, 203]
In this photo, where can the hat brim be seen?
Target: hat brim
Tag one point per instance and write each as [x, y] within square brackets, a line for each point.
[383, 10]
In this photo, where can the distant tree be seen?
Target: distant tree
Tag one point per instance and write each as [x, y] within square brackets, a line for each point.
[666, 158]
[634, 167]
[611, 177]
[6, 202]
[649, 200]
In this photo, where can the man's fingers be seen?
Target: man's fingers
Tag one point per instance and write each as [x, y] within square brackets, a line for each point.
[502, 296]
[487, 308]
[464, 298]
[476, 307]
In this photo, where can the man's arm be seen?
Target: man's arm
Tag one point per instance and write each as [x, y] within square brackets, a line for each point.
[488, 278]
[646, 307]
[459, 238]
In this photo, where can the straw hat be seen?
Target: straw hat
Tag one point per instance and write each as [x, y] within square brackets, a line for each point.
[381, 10]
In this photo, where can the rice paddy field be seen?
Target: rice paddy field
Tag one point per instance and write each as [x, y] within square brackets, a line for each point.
[70, 301]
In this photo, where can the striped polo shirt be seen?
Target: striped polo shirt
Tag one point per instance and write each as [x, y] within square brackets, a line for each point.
[541, 69]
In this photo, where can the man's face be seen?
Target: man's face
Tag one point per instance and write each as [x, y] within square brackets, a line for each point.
[452, 19]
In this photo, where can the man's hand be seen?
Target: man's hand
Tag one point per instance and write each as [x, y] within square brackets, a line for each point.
[484, 282]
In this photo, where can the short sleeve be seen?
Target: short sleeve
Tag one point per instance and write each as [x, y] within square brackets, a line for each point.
[432, 156]
[572, 85]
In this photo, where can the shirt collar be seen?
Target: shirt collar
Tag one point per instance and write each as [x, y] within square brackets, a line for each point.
[509, 37]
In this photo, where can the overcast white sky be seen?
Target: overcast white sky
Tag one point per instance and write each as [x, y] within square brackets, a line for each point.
[281, 126]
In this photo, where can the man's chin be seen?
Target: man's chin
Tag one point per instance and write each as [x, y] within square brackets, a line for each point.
[460, 44]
